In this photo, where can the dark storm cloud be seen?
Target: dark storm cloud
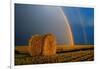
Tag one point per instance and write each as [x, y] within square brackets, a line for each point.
[82, 22]
[36, 19]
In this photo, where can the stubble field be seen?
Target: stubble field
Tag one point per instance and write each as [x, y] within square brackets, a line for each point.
[64, 54]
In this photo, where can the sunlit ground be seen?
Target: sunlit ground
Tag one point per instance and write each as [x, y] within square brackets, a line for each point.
[64, 54]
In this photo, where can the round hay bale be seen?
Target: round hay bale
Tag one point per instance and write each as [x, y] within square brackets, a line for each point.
[35, 44]
[49, 45]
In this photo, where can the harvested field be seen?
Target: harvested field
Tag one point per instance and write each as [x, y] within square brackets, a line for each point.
[64, 54]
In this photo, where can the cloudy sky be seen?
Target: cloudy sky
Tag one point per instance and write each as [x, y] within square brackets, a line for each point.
[39, 19]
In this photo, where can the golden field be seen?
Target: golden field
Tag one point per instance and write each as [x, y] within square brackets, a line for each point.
[64, 54]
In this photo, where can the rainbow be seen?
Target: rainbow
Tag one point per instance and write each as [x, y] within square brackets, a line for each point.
[68, 28]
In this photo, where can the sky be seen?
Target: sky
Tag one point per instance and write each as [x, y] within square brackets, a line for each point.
[82, 23]
[40, 19]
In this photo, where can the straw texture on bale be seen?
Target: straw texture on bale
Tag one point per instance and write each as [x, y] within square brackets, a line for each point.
[42, 45]
[49, 46]
[35, 44]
